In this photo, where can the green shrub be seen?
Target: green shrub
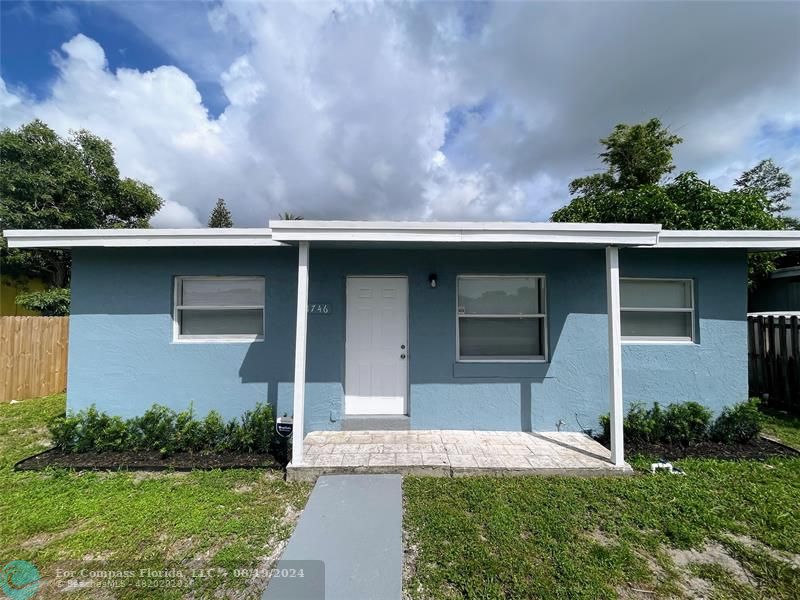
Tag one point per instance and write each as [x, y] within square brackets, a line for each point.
[644, 425]
[155, 429]
[685, 424]
[214, 432]
[739, 424]
[258, 428]
[64, 431]
[112, 436]
[189, 433]
[162, 429]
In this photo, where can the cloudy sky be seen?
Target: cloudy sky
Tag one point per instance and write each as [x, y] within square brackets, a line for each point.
[476, 110]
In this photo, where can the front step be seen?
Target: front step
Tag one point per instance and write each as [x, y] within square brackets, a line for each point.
[376, 423]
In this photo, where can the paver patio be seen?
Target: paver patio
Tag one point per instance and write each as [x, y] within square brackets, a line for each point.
[452, 453]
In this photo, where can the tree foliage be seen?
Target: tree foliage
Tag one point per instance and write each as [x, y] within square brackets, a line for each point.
[636, 155]
[49, 303]
[220, 216]
[634, 189]
[287, 216]
[51, 182]
[687, 202]
[769, 179]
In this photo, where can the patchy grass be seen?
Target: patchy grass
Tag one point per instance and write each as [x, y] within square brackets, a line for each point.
[204, 519]
[539, 537]
[782, 426]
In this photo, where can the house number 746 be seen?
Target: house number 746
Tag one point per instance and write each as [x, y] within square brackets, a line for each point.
[319, 309]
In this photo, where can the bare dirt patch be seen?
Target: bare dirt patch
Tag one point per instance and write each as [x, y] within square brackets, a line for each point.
[786, 557]
[601, 537]
[712, 553]
[259, 581]
[40, 540]
[179, 548]
[410, 554]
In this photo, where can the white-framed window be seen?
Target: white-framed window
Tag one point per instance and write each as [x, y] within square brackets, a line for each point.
[656, 310]
[218, 309]
[501, 318]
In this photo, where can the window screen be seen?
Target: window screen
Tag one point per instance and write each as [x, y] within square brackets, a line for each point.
[219, 307]
[657, 309]
[501, 318]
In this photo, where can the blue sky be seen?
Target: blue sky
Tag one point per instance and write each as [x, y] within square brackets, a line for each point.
[33, 30]
[433, 110]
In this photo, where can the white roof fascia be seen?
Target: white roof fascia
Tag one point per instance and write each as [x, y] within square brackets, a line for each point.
[466, 232]
[133, 238]
[396, 231]
[746, 239]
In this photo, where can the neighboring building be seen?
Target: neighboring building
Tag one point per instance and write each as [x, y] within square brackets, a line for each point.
[10, 288]
[492, 326]
[780, 293]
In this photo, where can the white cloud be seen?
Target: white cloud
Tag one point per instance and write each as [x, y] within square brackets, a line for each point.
[340, 110]
[173, 214]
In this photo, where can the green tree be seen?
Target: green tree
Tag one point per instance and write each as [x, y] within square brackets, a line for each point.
[50, 182]
[772, 181]
[636, 155]
[633, 189]
[220, 216]
[687, 202]
[287, 216]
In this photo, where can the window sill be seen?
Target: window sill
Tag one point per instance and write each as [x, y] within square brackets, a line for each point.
[659, 342]
[526, 361]
[500, 370]
[217, 340]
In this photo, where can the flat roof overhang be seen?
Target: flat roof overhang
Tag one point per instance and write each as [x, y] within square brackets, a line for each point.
[410, 234]
[134, 238]
[432, 233]
[755, 240]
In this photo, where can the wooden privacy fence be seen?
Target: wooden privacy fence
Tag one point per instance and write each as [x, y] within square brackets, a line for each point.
[33, 356]
[774, 351]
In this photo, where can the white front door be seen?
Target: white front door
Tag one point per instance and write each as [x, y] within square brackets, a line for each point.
[376, 346]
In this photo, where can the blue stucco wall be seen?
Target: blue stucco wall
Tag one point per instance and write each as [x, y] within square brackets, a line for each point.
[712, 371]
[122, 357]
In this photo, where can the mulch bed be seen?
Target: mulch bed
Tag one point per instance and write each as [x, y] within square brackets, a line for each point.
[759, 448]
[146, 461]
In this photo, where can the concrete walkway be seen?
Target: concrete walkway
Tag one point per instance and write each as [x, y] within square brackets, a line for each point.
[351, 526]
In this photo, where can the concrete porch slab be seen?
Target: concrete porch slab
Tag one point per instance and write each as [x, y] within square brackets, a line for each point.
[452, 453]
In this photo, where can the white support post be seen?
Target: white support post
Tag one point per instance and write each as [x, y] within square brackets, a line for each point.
[614, 356]
[301, 331]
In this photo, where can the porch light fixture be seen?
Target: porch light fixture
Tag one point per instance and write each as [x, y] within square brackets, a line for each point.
[433, 280]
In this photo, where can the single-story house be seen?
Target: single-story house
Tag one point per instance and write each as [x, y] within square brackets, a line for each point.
[410, 325]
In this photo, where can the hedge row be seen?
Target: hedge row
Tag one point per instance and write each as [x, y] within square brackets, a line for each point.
[162, 429]
[689, 423]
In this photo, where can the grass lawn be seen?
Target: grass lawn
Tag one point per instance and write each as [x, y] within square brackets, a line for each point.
[725, 530]
[204, 519]
[784, 427]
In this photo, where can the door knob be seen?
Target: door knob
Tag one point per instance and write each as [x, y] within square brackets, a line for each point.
[402, 346]
[402, 356]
